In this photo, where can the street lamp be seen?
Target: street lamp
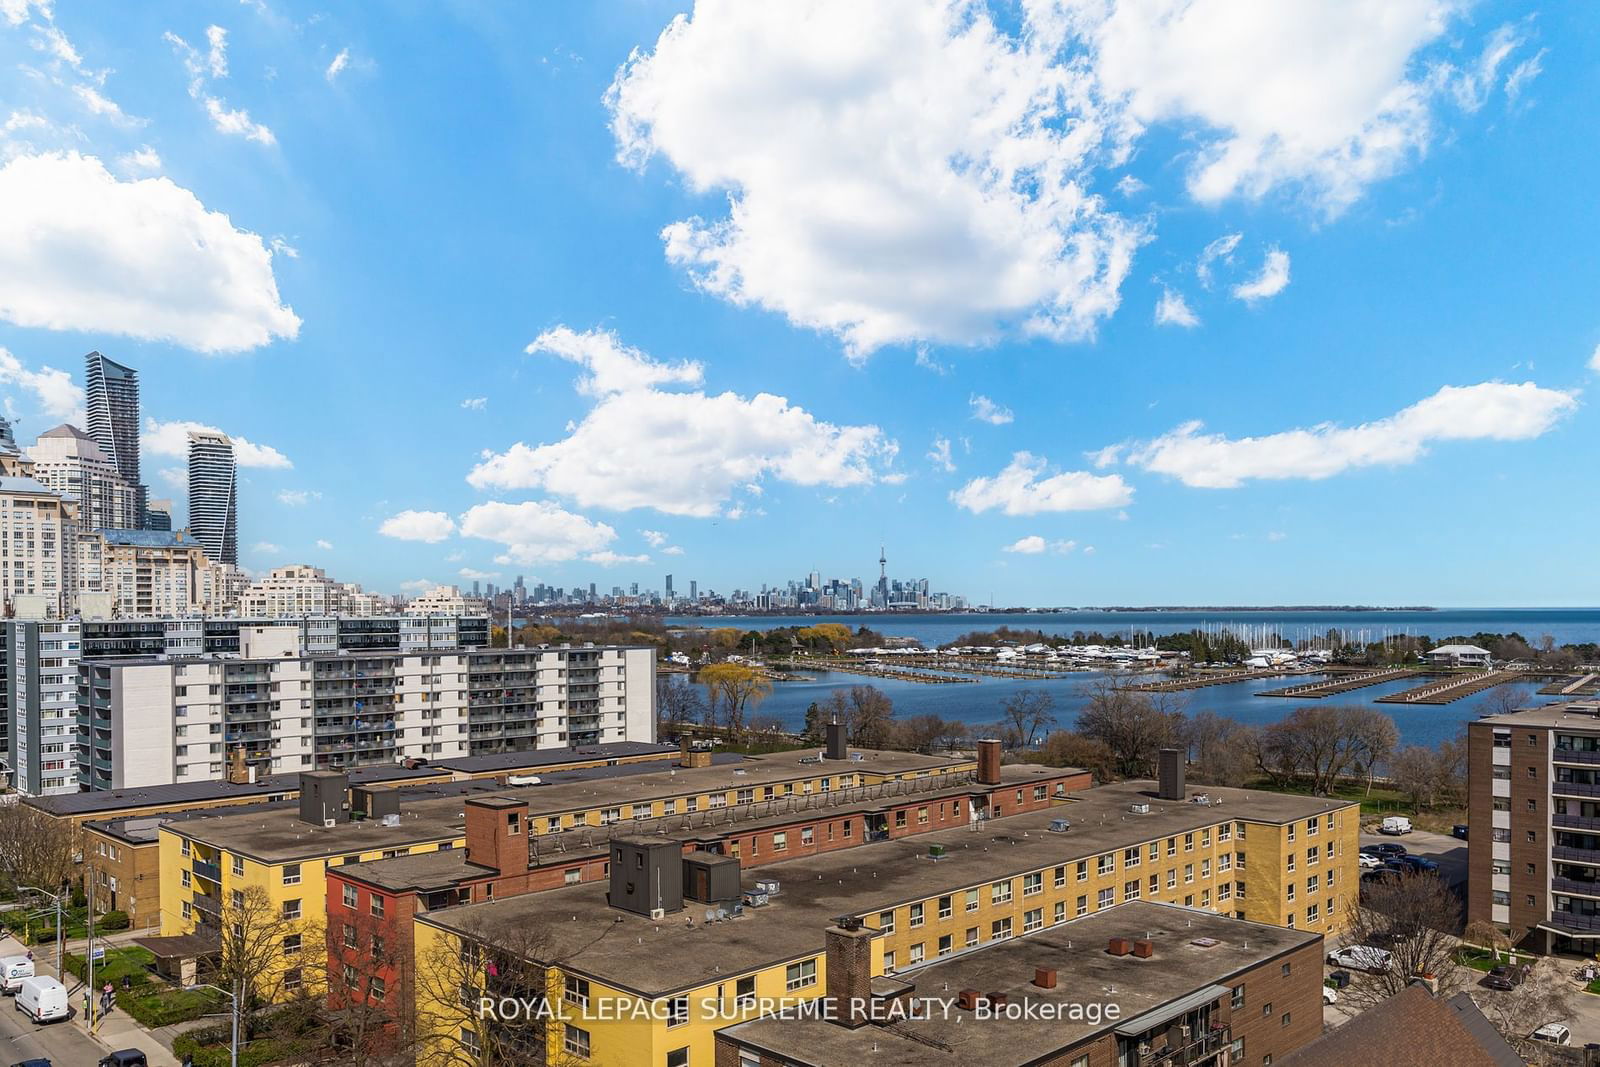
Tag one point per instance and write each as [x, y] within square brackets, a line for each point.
[60, 921]
[233, 1056]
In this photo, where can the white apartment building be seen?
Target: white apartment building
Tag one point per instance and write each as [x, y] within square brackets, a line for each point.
[154, 722]
[37, 530]
[67, 460]
[300, 589]
[440, 600]
[41, 661]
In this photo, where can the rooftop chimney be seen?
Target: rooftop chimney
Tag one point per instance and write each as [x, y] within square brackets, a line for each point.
[848, 960]
[1144, 948]
[1169, 769]
[836, 745]
[1044, 977]
[1119, 946]
[238, 771]
[989, 762]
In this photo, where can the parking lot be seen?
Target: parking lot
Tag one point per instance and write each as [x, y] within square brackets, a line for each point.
[1448, 852]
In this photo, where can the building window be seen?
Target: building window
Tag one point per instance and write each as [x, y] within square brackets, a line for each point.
[744, 992]
[917, 952]
[677, 1011]
[1000, 892]
[1033, 920]
[350, 896]
[946, 907]
[238, 865]
[1266, 1009]
[972, 900]
[377, 905]
[1000, 929]
[1083, 905]
[1061, 911]
[576, 991]
[576, 1042]
[291, 874]
[972, 936]
[291, 945]
[916, 915]
[678, 1057]
[1236, 1000]
[1061, 877]
[349, 936]
[1283, 1020]
[1033, 883]
[291, 908]
[946, 945]
[1106, 898]
[799, 975]
[376, 988]
[886, 921]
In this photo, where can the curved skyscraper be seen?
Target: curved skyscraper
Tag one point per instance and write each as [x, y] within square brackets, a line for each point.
[113, 403]
[213, 496]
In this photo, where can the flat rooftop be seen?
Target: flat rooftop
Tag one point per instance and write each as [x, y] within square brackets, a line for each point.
[1579, 714]
[107, 800]
[436, 810]
[1193, 950]
[857, 881]
[510, 761]
[562, 850]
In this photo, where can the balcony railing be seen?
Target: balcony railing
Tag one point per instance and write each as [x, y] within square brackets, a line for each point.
[1576, 755]
[1576, 855]
[1579, 886]
[1575, 822]
[1571, 920]
[209, 871]
[1574, 789]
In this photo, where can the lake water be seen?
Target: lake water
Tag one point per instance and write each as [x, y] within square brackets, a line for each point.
[979, 703]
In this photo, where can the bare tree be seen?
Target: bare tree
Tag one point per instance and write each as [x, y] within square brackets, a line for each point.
[1218, 752]
[1028, 713]
[1324, 744]
[370, 1008]
[866, 711]
[1544, 996]
[36, 848]
[1411, 918]
[735, 687]
[494, 998]
[1430, 777]
[267, 955]
[1065, 748]
[1374, 735]
[678, 701]
[1133, 726]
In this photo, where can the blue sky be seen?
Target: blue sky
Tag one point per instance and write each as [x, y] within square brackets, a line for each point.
[584, 293]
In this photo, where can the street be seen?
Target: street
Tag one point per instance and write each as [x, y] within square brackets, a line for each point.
[63, 1043]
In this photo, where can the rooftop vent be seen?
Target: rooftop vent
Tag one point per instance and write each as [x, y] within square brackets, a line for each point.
[1044, 977]
[1119, 946]
[1140, 808]
[1060, 826]
[1144, 948]
[968, 999]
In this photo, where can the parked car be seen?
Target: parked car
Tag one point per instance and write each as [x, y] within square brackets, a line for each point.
[1459, 830]
[13, 969]
[1554, 1033]
[1369, 860]
[1418, 864]
[1395, 824]
[1367, 958]
[1389, 850]
[1329, 996]
[42, 999]
[32, 1063]
[1506, 976]
[128, 1057]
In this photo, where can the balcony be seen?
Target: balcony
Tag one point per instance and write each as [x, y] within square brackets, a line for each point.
[1571, 920]
[1575, 822]
[1574, 789]
[1200, 1049]
[1576, 755]
[1575, 855]
[210, 871]
[1579, 886]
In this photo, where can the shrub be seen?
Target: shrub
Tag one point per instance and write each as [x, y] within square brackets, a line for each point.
[113, 920]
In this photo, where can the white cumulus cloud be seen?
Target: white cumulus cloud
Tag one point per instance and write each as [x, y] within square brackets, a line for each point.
[266, 548]
[939, 454]
[325, 545]
[1494, 411]
[678, 452]
[1173, 310]
[337, 67]
[1320, 96]
[298, 498]
[538, 531]
[1035, 545]
[1025, 488]
[1273, 279]
[56, 394]
[140, 259]
[475, 403]
[986, 410]
[895, 171]
[427, 526]
[172, 439]
[655, 538]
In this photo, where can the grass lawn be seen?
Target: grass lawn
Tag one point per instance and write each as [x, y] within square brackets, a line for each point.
[1382, 800]
[130, 961]
[1479, 959]
[162, 1005]
[1593, 987]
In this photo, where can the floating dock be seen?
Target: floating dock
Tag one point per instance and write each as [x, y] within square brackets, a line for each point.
[1343, 683]
[1452, 688]
[1587, 685]
[874, 670]
[1179, 685]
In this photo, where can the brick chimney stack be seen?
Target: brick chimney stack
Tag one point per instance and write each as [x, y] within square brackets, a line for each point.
[848, 958]
[989, 762]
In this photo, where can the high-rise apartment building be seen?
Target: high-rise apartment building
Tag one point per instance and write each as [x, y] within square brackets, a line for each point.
[148, 573]
[113, 403]
[37, 529]
[213, 495]
[1533, 802]
[71, 462]
[300, 589]
[8, 440]
[158, 515]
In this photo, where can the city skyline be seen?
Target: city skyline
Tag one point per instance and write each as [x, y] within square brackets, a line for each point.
[1244, 350]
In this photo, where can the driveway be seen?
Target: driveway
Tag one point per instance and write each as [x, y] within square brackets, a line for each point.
[1449, 853]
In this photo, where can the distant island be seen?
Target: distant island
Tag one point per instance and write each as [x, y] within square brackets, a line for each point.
[1250, 607]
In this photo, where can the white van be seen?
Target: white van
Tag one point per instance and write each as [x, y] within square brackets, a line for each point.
[42, 999]
[1395, 825]
[13, 969]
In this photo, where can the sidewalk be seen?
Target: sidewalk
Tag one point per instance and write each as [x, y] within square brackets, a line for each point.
[116, 1030]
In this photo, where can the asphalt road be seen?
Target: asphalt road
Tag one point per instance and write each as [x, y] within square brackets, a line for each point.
[62, 1043]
